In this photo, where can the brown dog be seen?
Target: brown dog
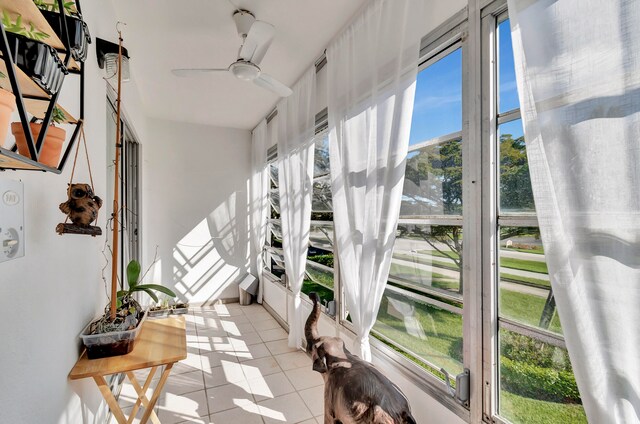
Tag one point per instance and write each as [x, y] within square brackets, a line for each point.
[354, 391]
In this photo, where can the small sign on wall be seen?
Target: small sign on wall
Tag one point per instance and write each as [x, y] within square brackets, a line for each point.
[11, 220]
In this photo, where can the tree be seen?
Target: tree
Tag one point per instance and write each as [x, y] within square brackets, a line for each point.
[515, 184]
[433, 182]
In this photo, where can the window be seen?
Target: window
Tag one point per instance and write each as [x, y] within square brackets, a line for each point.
[535, 378]
[468, 285]
[129, 212]
[421, 311]
[319, 273]
[273, 254]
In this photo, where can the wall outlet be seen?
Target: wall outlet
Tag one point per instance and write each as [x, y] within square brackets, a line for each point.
[11, 220]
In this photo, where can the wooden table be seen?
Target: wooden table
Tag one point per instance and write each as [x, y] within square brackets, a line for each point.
[161, 342]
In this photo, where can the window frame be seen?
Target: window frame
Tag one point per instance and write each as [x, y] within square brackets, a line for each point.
[446, 38]
[474, 30]
[494, 13]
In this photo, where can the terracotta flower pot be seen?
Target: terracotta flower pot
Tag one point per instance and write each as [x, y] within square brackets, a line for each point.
[51, 147]
[7, 106]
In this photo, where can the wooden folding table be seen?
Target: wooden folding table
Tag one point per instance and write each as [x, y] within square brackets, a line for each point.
[161, 342]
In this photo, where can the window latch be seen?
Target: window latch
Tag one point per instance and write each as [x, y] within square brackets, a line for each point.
[461, 391]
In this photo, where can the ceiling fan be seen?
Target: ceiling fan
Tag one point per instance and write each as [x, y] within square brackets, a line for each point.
[256, 39]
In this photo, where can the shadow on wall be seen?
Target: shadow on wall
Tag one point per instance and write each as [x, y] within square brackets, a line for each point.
[207, 263]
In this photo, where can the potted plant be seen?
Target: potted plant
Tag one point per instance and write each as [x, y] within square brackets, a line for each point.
[79, 38]
[52, 144]
[160, 310]
[7, 106]
[111, 337]
[164, 308]
[35, 58]
[180, 308]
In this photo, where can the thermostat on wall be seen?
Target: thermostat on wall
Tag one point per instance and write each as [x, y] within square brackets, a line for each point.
[11, 220]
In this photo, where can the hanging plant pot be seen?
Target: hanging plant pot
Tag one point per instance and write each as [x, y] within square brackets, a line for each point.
[79, 36]
[51, 146]
[39, 61]
[7, 106]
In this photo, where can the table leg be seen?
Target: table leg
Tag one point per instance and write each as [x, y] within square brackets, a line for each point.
[142, 398]
[156, 393]
[111, 401]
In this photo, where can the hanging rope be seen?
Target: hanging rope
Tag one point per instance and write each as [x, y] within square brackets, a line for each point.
[75, 161]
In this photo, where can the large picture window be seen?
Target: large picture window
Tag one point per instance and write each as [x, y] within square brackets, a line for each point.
[468, 286]
[273, 255]
[535, 378]
[421, 311]
[319, 273]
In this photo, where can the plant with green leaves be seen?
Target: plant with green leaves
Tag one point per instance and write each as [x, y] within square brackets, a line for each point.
[125, 297]
[18, 27]
[58, 116]
[69, 6]
[129, 312]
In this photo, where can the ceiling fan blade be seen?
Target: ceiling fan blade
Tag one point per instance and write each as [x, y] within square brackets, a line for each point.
[270, 83]
[190, 72]
[257, 42]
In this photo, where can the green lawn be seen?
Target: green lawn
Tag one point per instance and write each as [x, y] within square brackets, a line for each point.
[520, 264]
[538, 250]
[309, 286]
[525, 308]
[449, 254]
[424, 278]
[318, 281]
[522, 410]
[533, 281]
[319, 276]
[441, 342]
[533, 266]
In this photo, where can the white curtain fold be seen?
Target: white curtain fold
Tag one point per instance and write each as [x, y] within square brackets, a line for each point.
[259, 205]
[371, 74]
[295, 120]
[578, 75]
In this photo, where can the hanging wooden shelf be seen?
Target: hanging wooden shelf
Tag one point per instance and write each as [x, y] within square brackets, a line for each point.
[31, 14]
[36, 102]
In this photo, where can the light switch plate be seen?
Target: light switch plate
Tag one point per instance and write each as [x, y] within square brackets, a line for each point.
[11, 220]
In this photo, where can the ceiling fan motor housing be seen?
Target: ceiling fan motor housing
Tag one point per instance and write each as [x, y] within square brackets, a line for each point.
[244, 70]
[244, 19]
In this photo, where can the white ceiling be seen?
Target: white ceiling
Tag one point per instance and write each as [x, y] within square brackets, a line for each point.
[165, 34]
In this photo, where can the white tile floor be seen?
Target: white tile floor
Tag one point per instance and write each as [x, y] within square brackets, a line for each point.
[239, 370]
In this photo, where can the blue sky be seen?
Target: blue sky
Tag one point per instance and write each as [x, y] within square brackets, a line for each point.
[438, 104]
[508, 95]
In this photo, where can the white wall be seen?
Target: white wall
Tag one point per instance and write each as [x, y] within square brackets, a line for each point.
[52, 292]
[195, 203]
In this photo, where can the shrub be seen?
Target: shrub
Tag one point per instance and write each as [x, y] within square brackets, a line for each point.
[326, 260]
[520, 348]
[537, 382]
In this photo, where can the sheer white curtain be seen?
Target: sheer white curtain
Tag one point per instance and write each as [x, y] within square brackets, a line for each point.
[296, 119]
[578, 73]
[259, 207]
[371, 74]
